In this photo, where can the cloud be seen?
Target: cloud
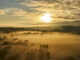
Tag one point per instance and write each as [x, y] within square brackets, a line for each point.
[19, 12]
[13, 12]
[3, 11]
[69, 23]
[66, 9]
[21, 16]
[30, 11]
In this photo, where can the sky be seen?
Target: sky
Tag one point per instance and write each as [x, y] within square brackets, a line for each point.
[24, 13]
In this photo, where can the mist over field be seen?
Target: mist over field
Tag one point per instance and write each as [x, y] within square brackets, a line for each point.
[38, 45]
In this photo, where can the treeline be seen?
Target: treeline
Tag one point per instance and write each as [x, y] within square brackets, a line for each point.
[67, 29]
[10, 29]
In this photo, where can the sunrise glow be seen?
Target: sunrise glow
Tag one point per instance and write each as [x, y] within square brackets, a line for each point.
[46, 17]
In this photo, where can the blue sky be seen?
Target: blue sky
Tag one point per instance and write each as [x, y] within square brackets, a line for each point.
[23, 13]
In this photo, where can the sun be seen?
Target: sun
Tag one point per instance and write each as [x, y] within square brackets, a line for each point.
[46, 17]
